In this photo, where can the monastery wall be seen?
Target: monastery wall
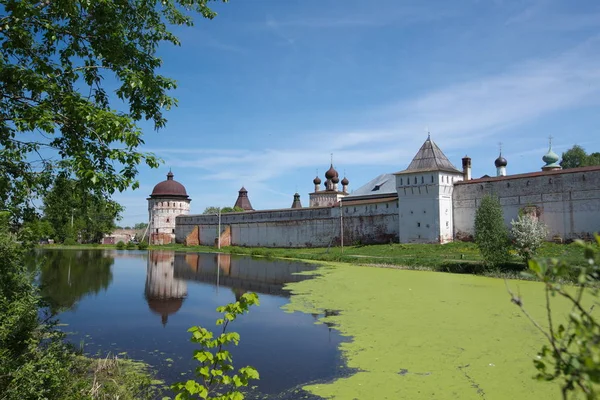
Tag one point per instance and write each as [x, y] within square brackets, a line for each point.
[567, 202]
[303, 227]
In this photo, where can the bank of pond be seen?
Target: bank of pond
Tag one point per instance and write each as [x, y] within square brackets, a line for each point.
[333, 330]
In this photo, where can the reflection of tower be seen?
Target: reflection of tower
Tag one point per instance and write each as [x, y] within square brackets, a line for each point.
[164, 292]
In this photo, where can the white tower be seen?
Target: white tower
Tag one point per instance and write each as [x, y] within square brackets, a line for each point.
[168, 200]
[425, 196]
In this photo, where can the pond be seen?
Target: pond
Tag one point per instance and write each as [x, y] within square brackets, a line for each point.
[142, 303]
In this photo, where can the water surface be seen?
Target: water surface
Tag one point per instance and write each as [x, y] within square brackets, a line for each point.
[142, 303]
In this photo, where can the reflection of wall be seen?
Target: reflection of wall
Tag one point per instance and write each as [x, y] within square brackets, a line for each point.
[243, 273]
[164, 292]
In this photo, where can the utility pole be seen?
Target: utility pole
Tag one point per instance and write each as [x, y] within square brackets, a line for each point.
[219, 233]
[341, 226]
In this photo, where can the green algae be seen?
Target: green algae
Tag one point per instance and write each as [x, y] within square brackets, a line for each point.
[427, 335]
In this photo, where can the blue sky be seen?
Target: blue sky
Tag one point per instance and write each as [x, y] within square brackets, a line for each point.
[269, 88]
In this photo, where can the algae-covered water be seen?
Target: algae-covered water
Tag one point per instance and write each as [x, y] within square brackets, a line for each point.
[426, 335]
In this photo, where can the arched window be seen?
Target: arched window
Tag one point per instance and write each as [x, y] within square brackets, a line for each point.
[422, 179]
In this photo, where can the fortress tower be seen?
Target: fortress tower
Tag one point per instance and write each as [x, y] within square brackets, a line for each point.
[168, 200]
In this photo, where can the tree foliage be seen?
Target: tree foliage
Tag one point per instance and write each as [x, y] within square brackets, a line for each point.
[224, 210]
[76, 212]
[528, 235]
[571, 354]
[576, 157]
[59, 61]
[218, 381]
[491, 235]
[34, 362]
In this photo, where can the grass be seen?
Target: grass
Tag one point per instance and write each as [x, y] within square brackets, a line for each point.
[456, 257]
[112, 377]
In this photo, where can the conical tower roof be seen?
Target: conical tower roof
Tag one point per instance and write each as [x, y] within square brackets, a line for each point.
[430, 158]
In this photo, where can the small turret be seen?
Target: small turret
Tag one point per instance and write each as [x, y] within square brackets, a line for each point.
[296, 203]
[466, 164]
[551, 159]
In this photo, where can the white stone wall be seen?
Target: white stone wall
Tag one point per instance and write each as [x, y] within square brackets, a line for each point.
[569, 202]
[306, 227]
[425, 206]
[162, 213]
[325, 198]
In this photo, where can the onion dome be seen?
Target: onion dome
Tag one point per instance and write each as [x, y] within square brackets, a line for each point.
[345, 181]
[335, 179]
[550, 157]
[500, 161]
[169, 188]
[317, 181]
[331, 173]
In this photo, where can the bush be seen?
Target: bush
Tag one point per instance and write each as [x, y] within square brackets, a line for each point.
[491, 235]
[528, 235]
[69, 242]
[34, 362]
[142, 245]
[130, 246]
[121, 245]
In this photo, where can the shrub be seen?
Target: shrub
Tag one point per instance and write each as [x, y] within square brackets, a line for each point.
[528, 235]
[120, 245]
[142, 245]
[130, 246]
[217, 377]
[34, 361]
[491, 235]
[70, 242]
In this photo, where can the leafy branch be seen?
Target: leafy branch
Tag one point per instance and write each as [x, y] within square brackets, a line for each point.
[572, 352]
[218, 381]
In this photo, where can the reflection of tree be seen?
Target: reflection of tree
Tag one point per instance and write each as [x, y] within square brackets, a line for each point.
[68, 276]
[163, 291]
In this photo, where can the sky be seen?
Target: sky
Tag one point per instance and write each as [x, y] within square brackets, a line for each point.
[269, 89]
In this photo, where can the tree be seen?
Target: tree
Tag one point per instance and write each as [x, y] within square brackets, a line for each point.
[491, 235]
[224, 210]
[528, 235]
[140, 225]
[56, 115]
[577, 157]
[75, 211]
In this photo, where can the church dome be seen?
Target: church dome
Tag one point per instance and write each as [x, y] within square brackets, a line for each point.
[550, 157]
[170, 188]
[331, 173]
[317, 181]
[345, 181]
[500, 162]
[335, 179]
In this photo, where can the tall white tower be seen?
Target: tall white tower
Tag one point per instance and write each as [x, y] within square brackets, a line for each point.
[168, 200]
[425, 197]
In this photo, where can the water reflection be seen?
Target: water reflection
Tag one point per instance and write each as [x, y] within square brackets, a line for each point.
[167, 273]
[164, 292]
[68, 276]
[142, 303]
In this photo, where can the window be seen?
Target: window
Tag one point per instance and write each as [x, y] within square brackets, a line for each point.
[354, 209]
[418, 224]
[376, 206]
[431, 178]
[401, 182]
[376, 188]
[173, 230]
[387, 205]
[167, 220]
[447, 224]
[422, 179]
[415, 180]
